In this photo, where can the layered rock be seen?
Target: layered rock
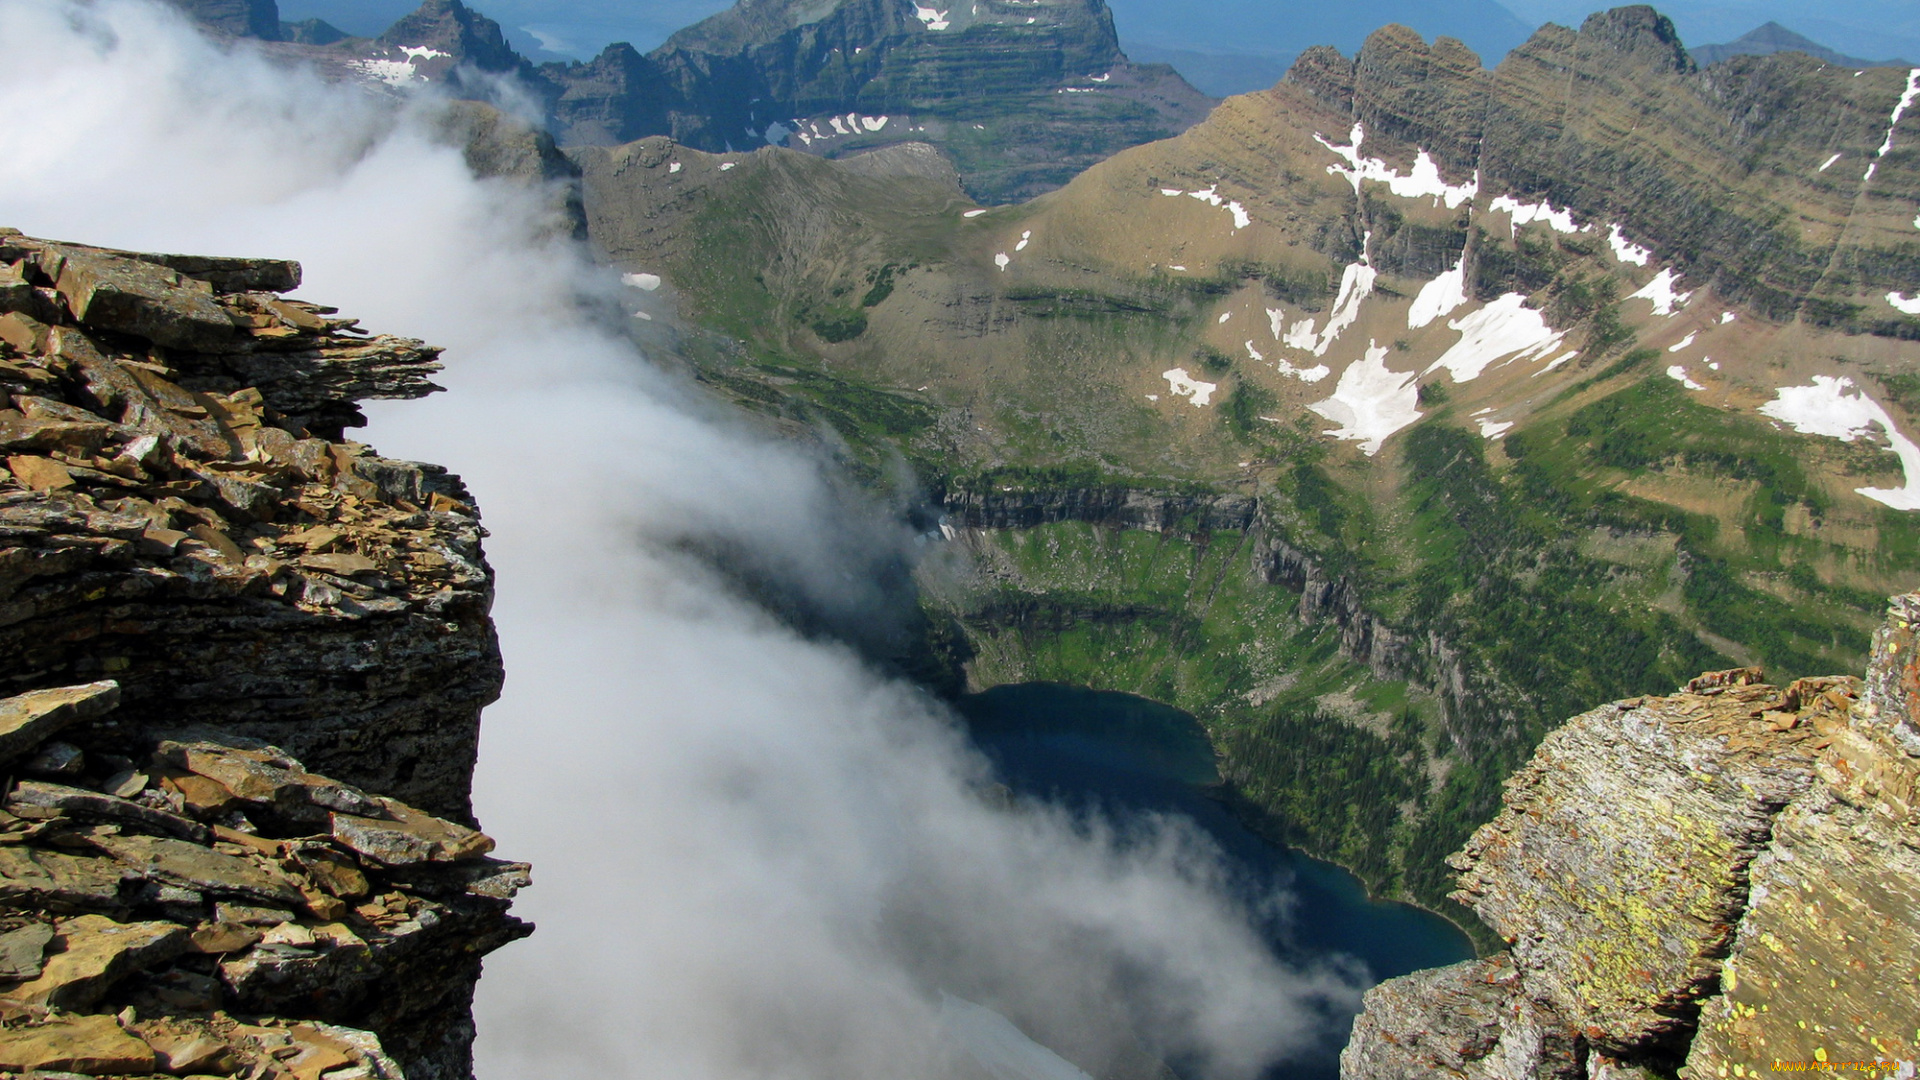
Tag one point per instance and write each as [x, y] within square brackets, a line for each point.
[1023, 95]
[1716, 882]
[196, 570]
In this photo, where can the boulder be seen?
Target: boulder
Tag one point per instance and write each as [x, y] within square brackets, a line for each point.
[128, 296]
[1469, 1021]
[23, 951]
[39, 798]
[405, 836]
[27, 720]
[177, 862]
[92, 954]
[42, 880]
[94, 1045]
[267, 776]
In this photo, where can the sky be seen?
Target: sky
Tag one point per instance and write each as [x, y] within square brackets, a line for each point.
[1871, 29]
[754, 856]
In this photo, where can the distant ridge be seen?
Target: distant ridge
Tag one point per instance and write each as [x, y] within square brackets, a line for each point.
[1773, 38]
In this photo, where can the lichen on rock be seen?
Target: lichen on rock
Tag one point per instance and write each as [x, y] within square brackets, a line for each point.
[1706, 884]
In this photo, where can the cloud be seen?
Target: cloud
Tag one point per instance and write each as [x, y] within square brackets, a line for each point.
[754, 856]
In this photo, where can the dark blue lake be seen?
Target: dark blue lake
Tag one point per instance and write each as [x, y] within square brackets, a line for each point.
[1125, 755]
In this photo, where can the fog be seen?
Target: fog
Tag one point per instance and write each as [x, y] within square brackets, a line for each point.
[754, 856]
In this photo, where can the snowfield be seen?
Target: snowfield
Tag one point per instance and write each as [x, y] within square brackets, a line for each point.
[1371, 402]
[1834, 407]
[1504, 328]
[1666, 299]
[1186, 386]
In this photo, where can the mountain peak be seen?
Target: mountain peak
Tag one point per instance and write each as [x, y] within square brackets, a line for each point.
[452, 28]
[1642, 32]
[1771, 37]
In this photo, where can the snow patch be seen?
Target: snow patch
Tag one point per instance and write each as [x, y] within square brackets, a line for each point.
[1241, 219]
[1506, 327]
[1726, 317]
[1025, 239]
[1712, 364]
[874, 123]
[1184, 385]
[725, 165]
[1666, 299]
[1440, 297]
[1423, 182]
[1678, 373]
[1683, 342]
[1306, 375]
[1556, 362]
[1906, 305]
[1527, 214]
[935, 20]
[421, 52]
[1275, 317]
[1225, 315]
[1827, 408]
[1625, 250]
[391, 72]
[1371, 402]
[973, 213]
[1356, 284]
[1899, 110]
[1001, 260]
[1492, 429]
[673, 167]
[838, 127]
[648, 282]
[1828, 164]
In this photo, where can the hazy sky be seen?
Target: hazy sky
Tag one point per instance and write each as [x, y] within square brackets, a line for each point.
[1873, 29]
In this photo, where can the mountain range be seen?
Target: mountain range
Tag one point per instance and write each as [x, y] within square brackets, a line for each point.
[1381, 419]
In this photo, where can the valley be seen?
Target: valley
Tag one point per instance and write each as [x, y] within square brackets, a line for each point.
[1524, 394]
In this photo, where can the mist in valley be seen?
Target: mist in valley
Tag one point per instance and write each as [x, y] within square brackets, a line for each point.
[754, 855]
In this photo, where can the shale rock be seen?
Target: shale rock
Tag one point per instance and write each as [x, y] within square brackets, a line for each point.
[179, 890]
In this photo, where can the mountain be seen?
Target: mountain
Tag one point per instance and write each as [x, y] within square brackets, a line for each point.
[1382, 420]
[1022, 96]
[1772, 38]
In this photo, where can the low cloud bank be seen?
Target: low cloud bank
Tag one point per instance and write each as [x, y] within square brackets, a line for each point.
[754, 857]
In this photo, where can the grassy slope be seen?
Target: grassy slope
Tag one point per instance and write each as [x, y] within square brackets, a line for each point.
[1623, 537]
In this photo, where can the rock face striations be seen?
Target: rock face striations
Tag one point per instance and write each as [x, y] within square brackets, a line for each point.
[1023, 95]
[247, 660]
[1711, 883]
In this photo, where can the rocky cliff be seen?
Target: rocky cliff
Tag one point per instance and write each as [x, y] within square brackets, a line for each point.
[247, 659]
[1022, 94]
[1712, 883]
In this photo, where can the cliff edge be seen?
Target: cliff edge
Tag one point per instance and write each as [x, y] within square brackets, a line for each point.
[246, 660]
[1724, 882]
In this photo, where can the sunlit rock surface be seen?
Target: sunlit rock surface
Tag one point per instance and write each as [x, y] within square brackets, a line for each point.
[1710, 882]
